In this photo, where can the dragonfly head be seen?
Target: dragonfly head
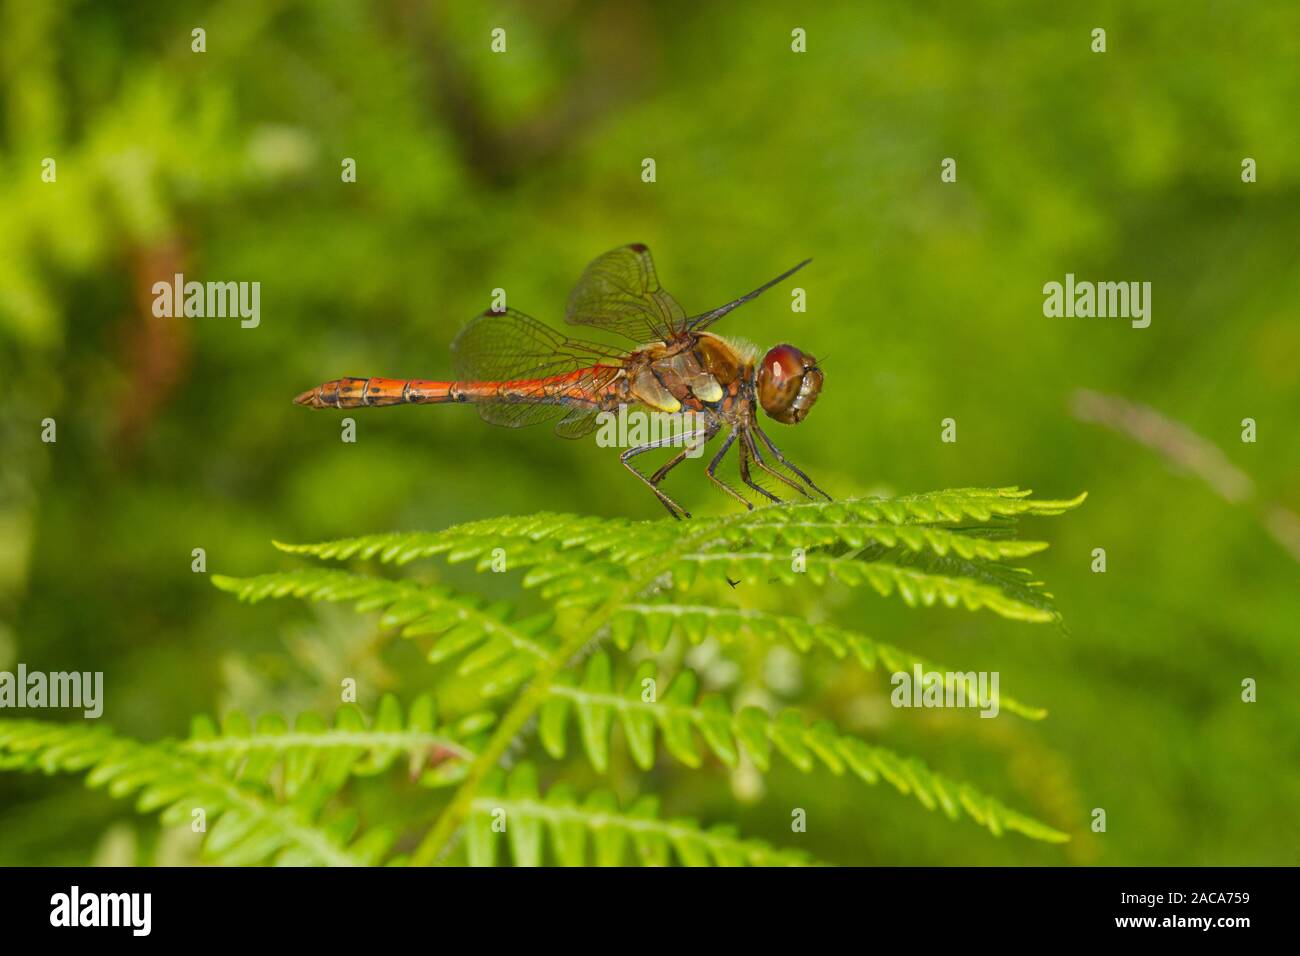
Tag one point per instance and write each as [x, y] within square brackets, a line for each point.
[789, 382]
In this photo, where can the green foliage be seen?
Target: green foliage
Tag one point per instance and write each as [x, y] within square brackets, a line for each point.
[506, 652]
[658, 623]
[509, 651]
[681, 713]
[259, 796]
[286, 791]
[575, 560]
[312, 754]
[177, 434]
[515, 798]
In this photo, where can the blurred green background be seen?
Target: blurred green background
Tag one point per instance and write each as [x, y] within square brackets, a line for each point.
[479, 170]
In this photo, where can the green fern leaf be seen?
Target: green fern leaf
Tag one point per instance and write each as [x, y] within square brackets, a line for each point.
[505, 652]
[245, 824]
[628, 542]
[656, 624]
[577, 561]
[515, 803]
[313, 754]
[914, 586]
[684, 718]
[943, 548]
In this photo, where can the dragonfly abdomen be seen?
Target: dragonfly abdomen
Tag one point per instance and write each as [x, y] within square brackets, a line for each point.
[571, 389]
[365, 392]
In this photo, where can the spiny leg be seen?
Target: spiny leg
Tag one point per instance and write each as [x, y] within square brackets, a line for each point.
[713, 467]
[758, 460]
[682, 455]
[789, 464]
[746, 443]
[674, 509]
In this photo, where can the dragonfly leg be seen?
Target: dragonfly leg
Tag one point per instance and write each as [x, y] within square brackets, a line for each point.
[713, 467]
[674, 509]
[668, 466]
[705, 435]
[758, 460]
[746, 445]
[789, 464]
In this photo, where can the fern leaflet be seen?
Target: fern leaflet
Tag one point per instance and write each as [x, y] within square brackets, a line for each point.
[681, 718]
[514, 803]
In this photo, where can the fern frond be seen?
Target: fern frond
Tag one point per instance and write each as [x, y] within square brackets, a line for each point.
[245, 825]
[516, 802]
[657, 623]
[683, 721]
[622, 540]
[505, 651]
[946, 547]
[625, 542]
[577, 561]
[510, 651]
[914, 586]
[950, 507]
[568, 576]
[313, 754]
[820, 531]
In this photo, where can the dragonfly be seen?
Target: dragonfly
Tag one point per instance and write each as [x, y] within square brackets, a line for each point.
[518, 371]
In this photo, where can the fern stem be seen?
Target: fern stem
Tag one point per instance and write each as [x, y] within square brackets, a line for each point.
[516, 717]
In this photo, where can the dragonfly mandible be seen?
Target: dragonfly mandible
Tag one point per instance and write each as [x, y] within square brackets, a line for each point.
[517, 371]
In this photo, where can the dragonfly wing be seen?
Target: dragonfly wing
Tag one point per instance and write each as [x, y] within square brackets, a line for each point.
[620, 292]
[579, 417]
[697, 323]
[509, 346]
[504, 345]
[517, 415]
[579, 423]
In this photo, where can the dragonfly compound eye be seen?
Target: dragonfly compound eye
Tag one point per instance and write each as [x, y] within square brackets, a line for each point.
[788, 384]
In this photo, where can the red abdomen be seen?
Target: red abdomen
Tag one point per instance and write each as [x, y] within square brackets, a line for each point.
[587, 386]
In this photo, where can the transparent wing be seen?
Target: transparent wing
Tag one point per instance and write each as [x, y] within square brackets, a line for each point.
[509, 346]
[697, 323]
[579, 423]
[512, 415]
[505, 345]
[620, 292]
[532, 407]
